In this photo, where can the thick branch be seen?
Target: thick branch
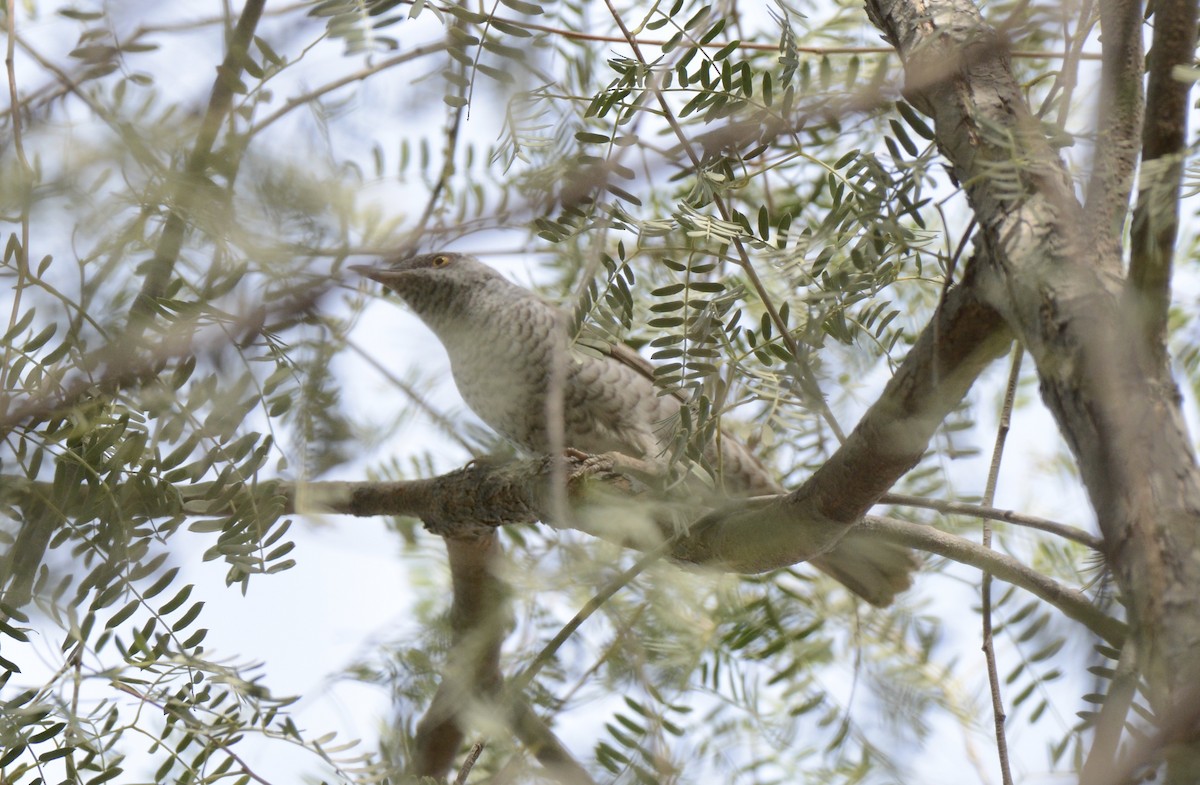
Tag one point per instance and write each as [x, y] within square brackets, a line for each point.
[479, 621]
[1117, 407]
[488, 495]
[962, 338]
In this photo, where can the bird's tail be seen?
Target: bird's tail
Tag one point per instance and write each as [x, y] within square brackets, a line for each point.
[874, 570]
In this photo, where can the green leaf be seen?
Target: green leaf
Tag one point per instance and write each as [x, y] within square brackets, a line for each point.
[520, 6]
[176, 601]
[727, 50]
[122, 614]
[915, 121]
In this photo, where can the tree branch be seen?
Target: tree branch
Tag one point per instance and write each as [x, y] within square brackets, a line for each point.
[993, 514]
[962, 338]
[1116, 404]
[1156, 216]
[1072, 603]
[478, 623]
[159, 268]
[1119, 119]
[472, 501]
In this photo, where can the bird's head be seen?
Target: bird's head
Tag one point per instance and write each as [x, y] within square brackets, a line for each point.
[438, 286]
[401, 274]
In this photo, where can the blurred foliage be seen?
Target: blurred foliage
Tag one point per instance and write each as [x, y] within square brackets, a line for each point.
[745, 196]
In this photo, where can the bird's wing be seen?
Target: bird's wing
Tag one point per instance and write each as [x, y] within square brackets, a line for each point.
[874, 570]
[743, 473]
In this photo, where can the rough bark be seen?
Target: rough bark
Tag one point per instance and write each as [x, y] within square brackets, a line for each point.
[1156, 217]
[1116, 404]
[1118, 123]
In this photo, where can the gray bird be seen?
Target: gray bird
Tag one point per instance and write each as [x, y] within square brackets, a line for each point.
[507, 345]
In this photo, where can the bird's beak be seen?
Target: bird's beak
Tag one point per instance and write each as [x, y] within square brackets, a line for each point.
[381, 274]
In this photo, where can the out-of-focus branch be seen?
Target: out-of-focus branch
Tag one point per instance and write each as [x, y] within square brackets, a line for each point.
[1172, 736]
[304, 99]
[124, 366]
[159, 268]
[580, 35]
[478, 622]
[21, 257]
[1110, 723]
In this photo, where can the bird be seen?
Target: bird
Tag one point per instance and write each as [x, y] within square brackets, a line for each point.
[509, 349]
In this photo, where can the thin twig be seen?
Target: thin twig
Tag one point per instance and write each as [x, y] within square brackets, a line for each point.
[194, 724]
[469, 763]
[992, 513]
[26, 191]
[615, 584]
[306, 98]
[439, 419]
[453, 124]
[140, 152]
[807, 378]
[989, 494]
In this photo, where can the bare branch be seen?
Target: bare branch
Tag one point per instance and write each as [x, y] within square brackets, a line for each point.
[158, 270]
[991, 513]
[1072, 603]
[989, 495]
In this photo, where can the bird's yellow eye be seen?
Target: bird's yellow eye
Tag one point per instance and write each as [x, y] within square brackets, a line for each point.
[441, 260]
